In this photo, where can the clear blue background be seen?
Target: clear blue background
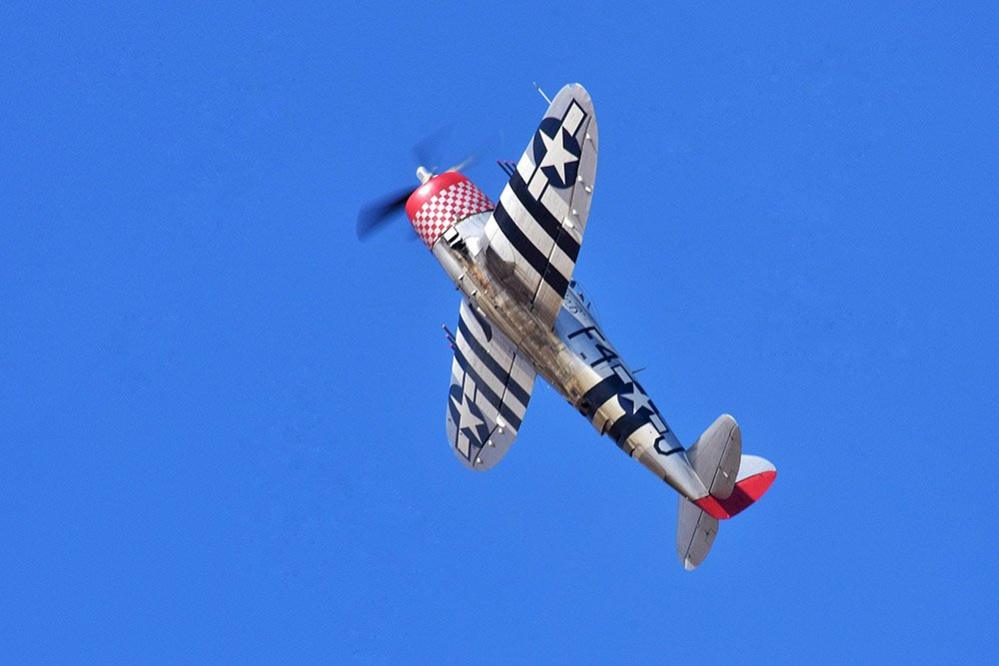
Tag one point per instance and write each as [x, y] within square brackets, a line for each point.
[222, 417]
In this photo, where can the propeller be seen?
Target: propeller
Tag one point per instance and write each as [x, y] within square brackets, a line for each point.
[427, 151]
[378, 213]
[486, 146]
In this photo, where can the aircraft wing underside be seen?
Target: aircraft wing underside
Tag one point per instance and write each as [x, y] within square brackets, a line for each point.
[491, 383]
[535, 231]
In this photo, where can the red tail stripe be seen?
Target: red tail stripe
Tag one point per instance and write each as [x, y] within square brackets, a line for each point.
[745, 493]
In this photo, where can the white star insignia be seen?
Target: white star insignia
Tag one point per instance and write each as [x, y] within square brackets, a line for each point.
[556, 154]
[468, 426]
[638, 399]
[466, 419]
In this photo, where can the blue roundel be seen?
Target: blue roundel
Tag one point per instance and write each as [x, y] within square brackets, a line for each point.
[563, 165]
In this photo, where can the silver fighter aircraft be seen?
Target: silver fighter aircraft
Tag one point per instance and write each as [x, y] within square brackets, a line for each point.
[523, 315]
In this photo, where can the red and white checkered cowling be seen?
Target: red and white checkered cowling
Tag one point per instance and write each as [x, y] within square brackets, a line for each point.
[443, 201]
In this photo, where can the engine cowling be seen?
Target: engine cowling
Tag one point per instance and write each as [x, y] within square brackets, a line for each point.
[443, 201]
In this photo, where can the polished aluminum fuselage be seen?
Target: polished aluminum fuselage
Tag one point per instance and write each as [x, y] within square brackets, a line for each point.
[574, 356]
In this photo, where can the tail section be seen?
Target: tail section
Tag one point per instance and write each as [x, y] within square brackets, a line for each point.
[734, 481]
[695, 533]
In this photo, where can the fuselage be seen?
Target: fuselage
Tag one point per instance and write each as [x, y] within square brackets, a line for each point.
[575, 356]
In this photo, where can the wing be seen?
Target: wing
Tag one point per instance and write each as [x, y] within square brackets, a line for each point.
[491, 383]
[536, 230]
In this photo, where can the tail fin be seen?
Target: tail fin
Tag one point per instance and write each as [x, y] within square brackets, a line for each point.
[734, 481]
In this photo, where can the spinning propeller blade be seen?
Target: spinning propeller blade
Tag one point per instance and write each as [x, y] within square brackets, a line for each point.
[378, 213]
[427, 151]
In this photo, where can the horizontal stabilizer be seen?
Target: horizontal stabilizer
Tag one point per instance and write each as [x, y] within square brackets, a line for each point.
[734, 481]
[695, 533]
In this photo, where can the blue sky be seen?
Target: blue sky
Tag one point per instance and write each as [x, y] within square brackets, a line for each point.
[222, 417]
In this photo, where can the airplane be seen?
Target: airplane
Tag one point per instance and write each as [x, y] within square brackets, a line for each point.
[523, 315]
